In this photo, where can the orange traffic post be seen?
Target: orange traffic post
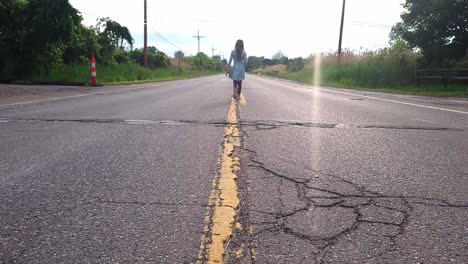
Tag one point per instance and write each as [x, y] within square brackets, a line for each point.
[93, 70]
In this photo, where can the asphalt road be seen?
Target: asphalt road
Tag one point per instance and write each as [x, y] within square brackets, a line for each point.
[124, 174]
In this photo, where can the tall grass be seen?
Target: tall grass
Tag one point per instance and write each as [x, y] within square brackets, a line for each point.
[388, 70]
[383, 69]
[115, 73]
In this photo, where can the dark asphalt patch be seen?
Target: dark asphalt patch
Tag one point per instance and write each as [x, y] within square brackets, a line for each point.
[120, 121]
[258, 124]
[272, 124]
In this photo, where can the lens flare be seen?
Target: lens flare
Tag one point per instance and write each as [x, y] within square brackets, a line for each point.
[317, 62]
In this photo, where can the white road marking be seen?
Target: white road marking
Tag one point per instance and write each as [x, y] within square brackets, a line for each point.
[399, 102]
[381, 99]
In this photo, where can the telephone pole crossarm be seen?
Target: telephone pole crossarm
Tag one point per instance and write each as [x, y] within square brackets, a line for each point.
[198, 37]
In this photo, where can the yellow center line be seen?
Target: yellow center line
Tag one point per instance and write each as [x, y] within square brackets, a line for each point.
[242, 100]
[224, 201]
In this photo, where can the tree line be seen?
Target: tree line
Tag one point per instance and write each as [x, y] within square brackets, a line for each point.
[436, 29]
[293, 64]
[37, 35]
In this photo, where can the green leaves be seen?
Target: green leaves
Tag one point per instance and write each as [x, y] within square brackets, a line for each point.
[439, 28]
[37, 35]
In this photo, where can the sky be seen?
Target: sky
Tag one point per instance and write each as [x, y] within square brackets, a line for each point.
[295, 27]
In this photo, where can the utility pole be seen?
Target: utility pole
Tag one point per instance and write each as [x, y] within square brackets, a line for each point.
[145, 60]
[198, 37]
[180, 67]
[341, 31]
[212, 51]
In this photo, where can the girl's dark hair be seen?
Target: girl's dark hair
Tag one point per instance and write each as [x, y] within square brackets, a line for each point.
[239, 49]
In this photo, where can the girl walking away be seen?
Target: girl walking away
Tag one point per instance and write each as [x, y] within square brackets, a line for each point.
[237, 70]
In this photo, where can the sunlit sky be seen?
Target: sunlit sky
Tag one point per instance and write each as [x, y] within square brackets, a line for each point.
[296, 27]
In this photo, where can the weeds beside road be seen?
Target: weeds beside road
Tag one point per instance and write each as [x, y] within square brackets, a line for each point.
[119, 73]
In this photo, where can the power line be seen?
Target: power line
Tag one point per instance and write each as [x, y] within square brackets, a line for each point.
[161, 37]
[369, 24]
[166, 40]
[89, 14]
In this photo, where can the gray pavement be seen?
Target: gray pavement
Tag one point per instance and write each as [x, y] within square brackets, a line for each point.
[123, 174]
[80, 185]
[336, 176]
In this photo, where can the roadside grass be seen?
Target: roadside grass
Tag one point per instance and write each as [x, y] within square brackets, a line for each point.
[389, 70]
[117, 74]
[454, 90]
[306, 76]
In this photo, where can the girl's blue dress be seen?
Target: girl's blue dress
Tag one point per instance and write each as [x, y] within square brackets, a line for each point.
[238, 69]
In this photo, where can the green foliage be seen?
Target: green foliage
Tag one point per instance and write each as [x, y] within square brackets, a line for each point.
[296, 64]
[278, 55]
[218, 63]
[115, 33]
[254, 63]
[267, 62]
[45, 39]
[179, 54]
[110, 39]
[115, 73]
[438, 28]
[279, 58]
[156, 58]
[77, 50]
[387, 68]
[35, 34]
[202, 62]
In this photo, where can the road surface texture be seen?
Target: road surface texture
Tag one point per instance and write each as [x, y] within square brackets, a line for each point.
[128, 174]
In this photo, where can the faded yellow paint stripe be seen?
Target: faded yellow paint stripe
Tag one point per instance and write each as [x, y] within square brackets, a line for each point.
[242, 100]
[224, 196]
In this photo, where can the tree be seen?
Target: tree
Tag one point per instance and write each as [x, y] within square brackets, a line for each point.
[156, 58]
[12, 32]
[35, 34]
[202, 62]
[254, 62]
[296, 64]
[179, 54]
[438, 28]
[284, 60]
[83, 40]
[267, 62]
[279, 58]
[218, 64]
[278, 55]
[114, 32]
[111, 37]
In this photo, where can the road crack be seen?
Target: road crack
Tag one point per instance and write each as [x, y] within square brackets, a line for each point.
[384, 217]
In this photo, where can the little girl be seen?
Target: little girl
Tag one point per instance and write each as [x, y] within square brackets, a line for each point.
[237, 71]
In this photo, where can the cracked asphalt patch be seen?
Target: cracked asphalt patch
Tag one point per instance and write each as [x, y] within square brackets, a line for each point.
[99, 192]
[351, 195]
